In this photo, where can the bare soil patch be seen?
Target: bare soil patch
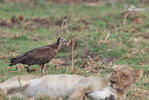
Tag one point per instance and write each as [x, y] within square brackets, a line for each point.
[37, 22]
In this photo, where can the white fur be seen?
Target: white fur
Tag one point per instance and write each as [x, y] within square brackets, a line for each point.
[52, 85]
[103, 94]
[15, 83]
[16, 94]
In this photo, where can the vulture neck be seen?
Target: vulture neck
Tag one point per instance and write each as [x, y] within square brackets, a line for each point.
[57, 45]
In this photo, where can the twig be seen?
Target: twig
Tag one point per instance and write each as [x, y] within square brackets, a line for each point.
[125, 17]
[107, 37]
[91, 60]
[72, 64]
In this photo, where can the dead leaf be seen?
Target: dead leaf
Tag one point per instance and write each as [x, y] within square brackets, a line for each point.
[58, 61]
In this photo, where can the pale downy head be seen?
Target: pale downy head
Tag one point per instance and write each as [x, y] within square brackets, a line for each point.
[61, 40]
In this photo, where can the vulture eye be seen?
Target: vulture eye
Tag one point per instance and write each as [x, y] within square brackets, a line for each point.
[112, 81]
[63, 40]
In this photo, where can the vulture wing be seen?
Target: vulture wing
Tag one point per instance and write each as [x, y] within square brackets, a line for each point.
[39, 55]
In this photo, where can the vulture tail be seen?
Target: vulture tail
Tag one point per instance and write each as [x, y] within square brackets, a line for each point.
[14, 61]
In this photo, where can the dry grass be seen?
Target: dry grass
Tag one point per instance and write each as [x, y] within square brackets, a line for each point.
[99, 36]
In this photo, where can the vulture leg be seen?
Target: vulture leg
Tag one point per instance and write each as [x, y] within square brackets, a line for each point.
[27, 69]
[42, 67]
[16, 67]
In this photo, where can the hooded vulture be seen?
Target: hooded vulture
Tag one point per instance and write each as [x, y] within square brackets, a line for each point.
[39, 55]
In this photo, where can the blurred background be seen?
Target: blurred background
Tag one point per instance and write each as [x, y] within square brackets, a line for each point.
[102, 33]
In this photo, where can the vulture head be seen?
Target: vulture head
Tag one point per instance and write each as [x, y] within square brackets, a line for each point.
[61, 40]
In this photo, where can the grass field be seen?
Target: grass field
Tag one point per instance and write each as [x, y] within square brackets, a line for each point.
[24, 26]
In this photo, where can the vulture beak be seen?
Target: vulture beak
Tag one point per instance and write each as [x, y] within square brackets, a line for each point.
[66, 42]
[63, 40]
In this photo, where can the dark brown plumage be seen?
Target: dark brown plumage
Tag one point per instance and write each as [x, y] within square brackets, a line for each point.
[39, 55]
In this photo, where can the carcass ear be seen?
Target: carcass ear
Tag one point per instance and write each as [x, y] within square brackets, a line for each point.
[118, 67]
[137, 74]
[115, 67]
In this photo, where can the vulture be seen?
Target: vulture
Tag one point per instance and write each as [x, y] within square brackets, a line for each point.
[39, 56]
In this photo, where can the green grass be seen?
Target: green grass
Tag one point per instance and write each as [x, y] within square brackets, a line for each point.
[124, 46]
